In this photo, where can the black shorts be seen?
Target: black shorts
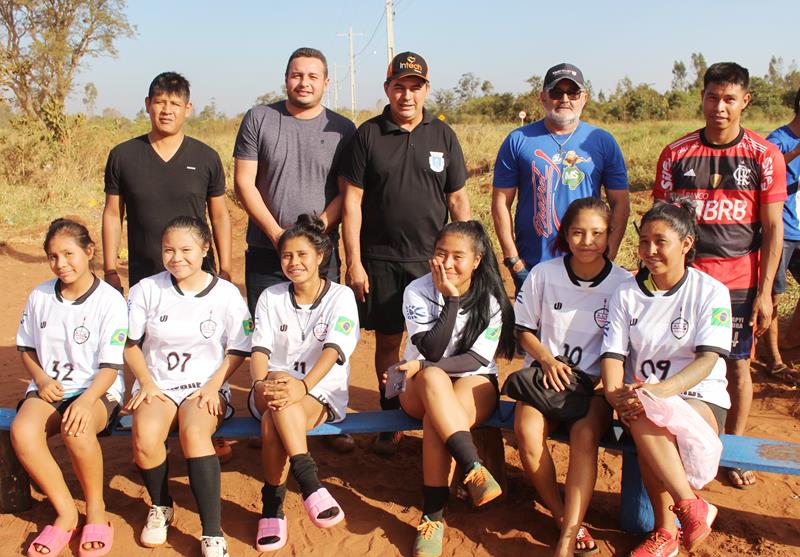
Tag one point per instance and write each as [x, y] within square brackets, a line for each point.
[790, 261]
[720, 415]
[60, 406]
[742, 341]
[383, 310]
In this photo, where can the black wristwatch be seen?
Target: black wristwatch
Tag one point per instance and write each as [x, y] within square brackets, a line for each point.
[511, 261]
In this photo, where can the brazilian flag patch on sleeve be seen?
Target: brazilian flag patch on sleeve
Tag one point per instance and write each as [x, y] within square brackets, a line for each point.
[247, 327]
[118, 338]
[344, 325]
[492, 333]
[721, 317]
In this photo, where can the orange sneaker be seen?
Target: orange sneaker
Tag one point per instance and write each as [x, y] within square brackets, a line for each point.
[481, 485]
[659, 543]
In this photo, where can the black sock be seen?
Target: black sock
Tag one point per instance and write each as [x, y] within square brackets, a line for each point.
[272, 501]
[389, 403]
[155, 481]
[434, 499]
[304, 470]
[463, 449]
[204, 479]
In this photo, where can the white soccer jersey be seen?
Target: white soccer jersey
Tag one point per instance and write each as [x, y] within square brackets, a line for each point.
[422, 304]
[568, 315]
[186, 337]
[294, 336]
[661, 333]
[74, 340]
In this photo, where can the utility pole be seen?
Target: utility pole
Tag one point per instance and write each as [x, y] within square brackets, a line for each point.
[350, 36]
[389, 30]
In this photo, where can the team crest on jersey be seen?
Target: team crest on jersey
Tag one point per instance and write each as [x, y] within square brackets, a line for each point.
[81, 334]
[436, 161]
[321, 331]
[344, 325]
[208, 327]
[118, 338]
[572, 176]
[742, 174]
[601, 315]
[721, 317]
[716, 180]
[679, 326]
[492, 333]
[248, 327]
[415, 313]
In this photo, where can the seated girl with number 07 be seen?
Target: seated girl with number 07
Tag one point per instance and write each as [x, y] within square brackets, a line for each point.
[189, 331]
[305, 331]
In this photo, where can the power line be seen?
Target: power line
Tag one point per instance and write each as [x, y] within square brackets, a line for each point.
[377, 25]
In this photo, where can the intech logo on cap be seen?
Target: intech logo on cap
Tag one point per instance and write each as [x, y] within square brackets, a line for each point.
[407, 63]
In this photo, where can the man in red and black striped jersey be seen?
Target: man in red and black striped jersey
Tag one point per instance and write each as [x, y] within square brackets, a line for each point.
[738, 180]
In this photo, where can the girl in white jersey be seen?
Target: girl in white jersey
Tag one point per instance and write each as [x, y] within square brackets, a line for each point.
[674, 322]
[561, 310]
[71, 338]
[189, 331]
[305, 331]
[458, 317]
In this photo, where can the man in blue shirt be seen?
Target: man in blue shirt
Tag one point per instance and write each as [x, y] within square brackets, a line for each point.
[787, 139]
[551, 163]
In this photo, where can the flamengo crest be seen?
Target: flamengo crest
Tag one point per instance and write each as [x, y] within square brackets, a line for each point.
[436, 161]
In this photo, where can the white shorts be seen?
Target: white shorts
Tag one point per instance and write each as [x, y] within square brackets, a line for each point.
[334, 414]
[180, 393]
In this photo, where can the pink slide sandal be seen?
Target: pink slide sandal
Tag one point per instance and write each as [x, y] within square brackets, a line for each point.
[319, 501]
[103, 533]
[271, 527]
[53, 538]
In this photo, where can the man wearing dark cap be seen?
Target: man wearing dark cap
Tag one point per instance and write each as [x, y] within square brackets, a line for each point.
[404, 173]
[552, 162]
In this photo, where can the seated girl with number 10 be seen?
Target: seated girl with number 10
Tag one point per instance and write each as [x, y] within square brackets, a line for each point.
[189, 331]
[671, 323]
[305, 331]
[561, 311]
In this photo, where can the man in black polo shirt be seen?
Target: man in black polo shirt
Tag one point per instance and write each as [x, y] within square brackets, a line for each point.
[404, 172]
[157, 177]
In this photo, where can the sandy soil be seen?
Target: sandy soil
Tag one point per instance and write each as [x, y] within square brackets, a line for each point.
[382, 497]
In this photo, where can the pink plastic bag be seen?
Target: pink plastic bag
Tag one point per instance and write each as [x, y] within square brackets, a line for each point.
[698, 445]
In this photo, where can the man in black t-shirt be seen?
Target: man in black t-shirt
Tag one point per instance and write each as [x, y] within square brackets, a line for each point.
[404, 173]
[157, 177]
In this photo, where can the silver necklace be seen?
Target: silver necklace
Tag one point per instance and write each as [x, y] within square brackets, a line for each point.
[304, 326]
[561, 144]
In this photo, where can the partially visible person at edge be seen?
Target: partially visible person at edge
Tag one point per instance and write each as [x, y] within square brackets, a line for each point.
[552, 162]
[674, 323]
[286, 162]
[739, 182]
[157, 177]
[787, 139]
[405, 174]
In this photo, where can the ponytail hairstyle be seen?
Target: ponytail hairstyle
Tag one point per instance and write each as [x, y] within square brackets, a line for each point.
[76, 230]
[584, 204]
[310, 227]
[680, 214]
[196, 227]
[485, 285]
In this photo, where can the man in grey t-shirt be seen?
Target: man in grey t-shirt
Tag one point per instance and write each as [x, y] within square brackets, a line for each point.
[286, 164]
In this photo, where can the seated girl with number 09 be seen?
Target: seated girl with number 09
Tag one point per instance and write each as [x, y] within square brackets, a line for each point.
[561, 311]
[672, 322]
[458, 318]
[71, 338]
[305, 331]
[189, 331]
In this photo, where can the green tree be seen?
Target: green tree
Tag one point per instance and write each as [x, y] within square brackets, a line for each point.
[467, 87]
[700, 66]
[270, 97]
[42, 45]
[536, 82]
[679, 81]
[89, 97]
[487, 88]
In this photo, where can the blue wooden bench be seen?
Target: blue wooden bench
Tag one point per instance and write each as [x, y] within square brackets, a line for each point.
[635, 513]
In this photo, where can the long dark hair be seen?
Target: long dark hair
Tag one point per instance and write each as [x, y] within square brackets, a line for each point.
[486, 284]
[679, 213]
[561, 243]
[310, 227]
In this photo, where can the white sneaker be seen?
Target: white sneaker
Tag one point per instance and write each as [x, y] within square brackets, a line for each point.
[213, 546]
[154, 532]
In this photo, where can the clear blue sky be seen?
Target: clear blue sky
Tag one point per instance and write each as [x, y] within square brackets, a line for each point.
[237, 50]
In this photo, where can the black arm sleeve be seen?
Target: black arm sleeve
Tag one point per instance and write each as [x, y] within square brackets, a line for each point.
[432, 343]
[459, 364]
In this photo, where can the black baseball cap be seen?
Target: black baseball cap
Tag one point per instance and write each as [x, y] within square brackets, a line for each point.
[563, 71]
[407, 63]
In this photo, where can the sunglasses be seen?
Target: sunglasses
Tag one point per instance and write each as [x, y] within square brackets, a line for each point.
[557, 94]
